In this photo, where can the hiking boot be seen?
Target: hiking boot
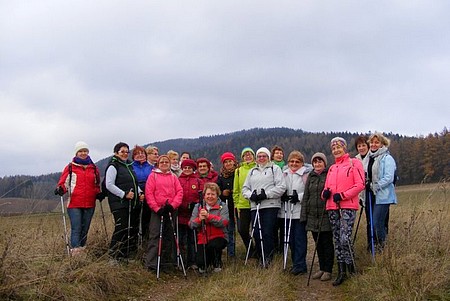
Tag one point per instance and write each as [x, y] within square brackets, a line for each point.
[342, 275]
[317, 275]
[325, 277]
[351, 269]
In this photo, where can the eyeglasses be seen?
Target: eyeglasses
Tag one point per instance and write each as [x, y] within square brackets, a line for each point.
[163, 162]
[123, 152]
[295, 161]
[187, 167]
[263, 156]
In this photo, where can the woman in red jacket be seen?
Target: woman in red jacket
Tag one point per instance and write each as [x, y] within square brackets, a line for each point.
[80, 178]
[345, 180]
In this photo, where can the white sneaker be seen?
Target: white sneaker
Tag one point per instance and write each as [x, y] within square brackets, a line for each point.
[217, 270]
[201, 271]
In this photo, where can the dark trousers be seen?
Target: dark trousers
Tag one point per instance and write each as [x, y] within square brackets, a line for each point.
[121, 246]
[298, 242]
[244, 220]
[167, 244]
[325, 250]
[268, 220]
[213, 252]
[187, 244]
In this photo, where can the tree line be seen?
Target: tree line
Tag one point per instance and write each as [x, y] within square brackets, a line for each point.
[422, 159]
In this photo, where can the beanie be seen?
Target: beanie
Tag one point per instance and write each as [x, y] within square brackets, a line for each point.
[320, 156]
[227, 156]
[247, 149]
[189, 162]
[340, 141]
[263, 150]
[80, 145]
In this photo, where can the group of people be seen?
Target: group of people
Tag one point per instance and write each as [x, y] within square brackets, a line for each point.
[181, 208]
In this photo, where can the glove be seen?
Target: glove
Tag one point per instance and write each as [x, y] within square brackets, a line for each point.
[161, 211]
[254, 197]
[262, 196]
[294, 198]
[100, 196]
[374, 187]
[284, 197]
[169, 208]
[361, 203]
[326, 194]
[59, 191]
[337, 198]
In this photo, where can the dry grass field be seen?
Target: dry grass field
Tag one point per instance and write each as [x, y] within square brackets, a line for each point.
[415, 265]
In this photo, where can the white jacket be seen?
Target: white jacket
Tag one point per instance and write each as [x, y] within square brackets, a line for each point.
[294, 181]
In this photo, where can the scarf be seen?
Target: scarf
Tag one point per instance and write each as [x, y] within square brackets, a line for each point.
[376, 157]
[80, 161]
[226, 173]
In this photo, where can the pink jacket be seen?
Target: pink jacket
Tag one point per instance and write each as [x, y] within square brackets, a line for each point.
[345, 176]
[161, 187]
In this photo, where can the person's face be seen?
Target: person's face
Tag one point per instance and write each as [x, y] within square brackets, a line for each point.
[164, 165]
[228, 164]
[375, 144]
[184, 157]
[152, 157]
[140, 157]
[202, 168]
[295, 164]
[174, 161]
[278, 155]
[123, 153]
[262, 158]
[187, 170]
[337, 150]
[362, 148]
[83, 153]
[210, 197]
[248, 157]
[318, 164]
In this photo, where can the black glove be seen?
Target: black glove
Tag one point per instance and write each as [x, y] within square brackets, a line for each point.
[284, 197]
[161, 211]
[100, 196]
[337, 198]
[294, 198]
[326, 194]
[169, 208]
[254, 197]
[262, 196]
[59, 191]
[361, 203]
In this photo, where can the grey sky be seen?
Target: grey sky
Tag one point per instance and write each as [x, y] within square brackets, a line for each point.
[145, 71]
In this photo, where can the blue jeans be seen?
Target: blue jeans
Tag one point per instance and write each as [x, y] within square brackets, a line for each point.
[268, 218]
[298, 243]
[80, 221]
[379, 217]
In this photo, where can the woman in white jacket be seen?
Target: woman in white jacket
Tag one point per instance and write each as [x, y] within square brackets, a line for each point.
[264, 187]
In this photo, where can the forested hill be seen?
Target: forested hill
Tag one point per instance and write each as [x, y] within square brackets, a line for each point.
[419, 159]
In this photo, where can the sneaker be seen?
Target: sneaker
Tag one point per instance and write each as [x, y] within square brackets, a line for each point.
[217, 270]
[318, 274]
[296, 272]
[201, 271]
[325, 277]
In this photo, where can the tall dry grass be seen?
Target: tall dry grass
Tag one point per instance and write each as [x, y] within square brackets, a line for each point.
[415, 265]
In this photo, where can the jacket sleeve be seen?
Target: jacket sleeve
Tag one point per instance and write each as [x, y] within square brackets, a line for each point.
[150, 186]
[110, 180]
[358, 181]
[305, 200]
[178, 198]
[219, 221]
[279, 184]
[389, 171]
[236, 186]
[195, 222]
[63, 179]
[246, 188]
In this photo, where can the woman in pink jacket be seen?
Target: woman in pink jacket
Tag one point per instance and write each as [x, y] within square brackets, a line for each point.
[345, 180]
[164, 195]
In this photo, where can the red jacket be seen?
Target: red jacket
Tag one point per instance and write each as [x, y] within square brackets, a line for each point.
[191, 188]
[345, 176]
[161, 188]
[84, 186]
[215, 225]
[211, 177]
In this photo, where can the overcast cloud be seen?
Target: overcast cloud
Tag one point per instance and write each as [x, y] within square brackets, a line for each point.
[147, 71]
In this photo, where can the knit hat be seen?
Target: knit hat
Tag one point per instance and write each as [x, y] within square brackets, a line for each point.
[263, 150]
[227, 156]
[189, 162]
[201, 160]
[320, 156]
[80, 145]
[247, 149]
[340, 141]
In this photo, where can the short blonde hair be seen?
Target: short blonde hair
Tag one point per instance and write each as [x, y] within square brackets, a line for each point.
[172, 154]
[150, 149]
[213, 186]
[296, 155]
[385, 141]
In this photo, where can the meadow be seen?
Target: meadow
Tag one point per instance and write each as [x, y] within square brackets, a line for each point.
[414, 266]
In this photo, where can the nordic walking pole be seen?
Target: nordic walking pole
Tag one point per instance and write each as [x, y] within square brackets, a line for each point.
[251, 237]
[285, 239]
[357, 225]
[159, 247]
[204, 234]
[260, 236]
[288, 237]
[372, 243]
[140, 225]
[103, 218]
[177, 245]
[66, 238]
[315, 247]
[129, 226]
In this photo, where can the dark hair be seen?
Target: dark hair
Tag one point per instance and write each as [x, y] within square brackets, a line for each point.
[275, 148]
[361, 139]
[119, 145]
[187, 153]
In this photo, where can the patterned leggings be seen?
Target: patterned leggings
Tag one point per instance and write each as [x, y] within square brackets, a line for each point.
[342, 225]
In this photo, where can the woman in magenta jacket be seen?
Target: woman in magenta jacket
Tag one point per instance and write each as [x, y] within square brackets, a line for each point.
[164, 194]
[345, 180]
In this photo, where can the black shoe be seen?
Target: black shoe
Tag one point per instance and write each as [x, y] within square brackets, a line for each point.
[342, 275]
[297, 271]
